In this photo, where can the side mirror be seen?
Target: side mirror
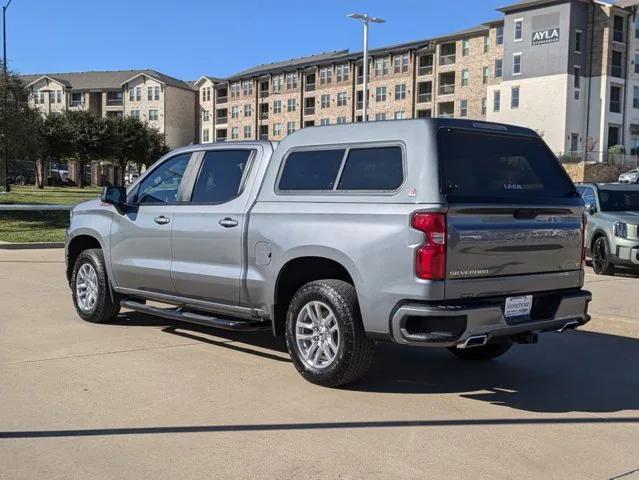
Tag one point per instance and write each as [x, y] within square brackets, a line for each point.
[591, 209]
[115, 196]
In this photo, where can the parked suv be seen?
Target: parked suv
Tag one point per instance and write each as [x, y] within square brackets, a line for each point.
[438, 233]
[612, 235]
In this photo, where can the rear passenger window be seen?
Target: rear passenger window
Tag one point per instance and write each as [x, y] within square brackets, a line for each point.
[220, 176]
[311, 170]
[372, 169]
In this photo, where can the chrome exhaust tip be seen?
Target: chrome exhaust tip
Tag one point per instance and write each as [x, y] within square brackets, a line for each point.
[569, 326]
[474, 341]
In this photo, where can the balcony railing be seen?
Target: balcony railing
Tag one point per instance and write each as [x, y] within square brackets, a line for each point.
[309, 87]
[617, 71]
[222, 99]
[221, 119]
[263, 115]
[617, 35]
[359, 105]
[221, 139]
[264, 136]
[76, 103]
[309, 111]
[427, 70]
[263, 93]
[447, 59]
[114, 102]
[447, 89]
[424, 97]
[446, 115]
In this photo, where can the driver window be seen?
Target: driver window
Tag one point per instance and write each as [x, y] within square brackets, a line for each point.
[220, 177]
[588, 196]
[162, 184]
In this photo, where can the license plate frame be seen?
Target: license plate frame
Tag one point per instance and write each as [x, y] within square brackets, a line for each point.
[518, 307]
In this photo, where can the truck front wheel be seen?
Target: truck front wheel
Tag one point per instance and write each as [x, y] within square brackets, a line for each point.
[325, 335]
[92, 296]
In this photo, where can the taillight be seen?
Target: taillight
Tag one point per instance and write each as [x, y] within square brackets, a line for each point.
[430, 259]
[584, 220]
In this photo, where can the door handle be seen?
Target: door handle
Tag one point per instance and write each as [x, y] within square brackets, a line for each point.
[228, 222]
[161, 220]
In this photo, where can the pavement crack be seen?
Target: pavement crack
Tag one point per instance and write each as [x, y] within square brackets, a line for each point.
[102, 353]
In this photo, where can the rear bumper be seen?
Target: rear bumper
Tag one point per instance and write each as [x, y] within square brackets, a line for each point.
[446, 326]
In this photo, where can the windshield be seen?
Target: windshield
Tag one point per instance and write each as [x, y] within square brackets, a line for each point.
[497, 167]
[619, 200]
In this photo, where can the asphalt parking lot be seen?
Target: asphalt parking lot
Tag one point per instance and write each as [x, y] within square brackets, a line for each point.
[148, 398]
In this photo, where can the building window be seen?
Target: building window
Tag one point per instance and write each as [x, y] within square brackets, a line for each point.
[380, 116]
[247, 131]
[463, 108]
[464, 77]
[577, 71]
[277, 106]
[291, 81]
[496, 101]
[381, 66]
[58, 96]
[401, 63]
[617, 64]
[325, 100]
[635, 97]
[248, 110]
[291, 105]
[517, 64]
[514, 97]
[325, 121]
[486, 43]
[156, 93]
[131, 95]
[235, 133]
[247, 87]
[326, 75]
[205, 116]
[574, 142]
[401, 115]
[400, 91]
[277, 82]
[205, 135]
[499, 35]
[637, 59]
[613, 135]
[135, 113]
[235, 111]
[290, 127]
[277, 129]
[618, 29]
[341, 99]
[341, 120]
[484, 75]
[153, 115]
[465, 47]
[138, 94]
[235, 89]
[578, 39]
[380, 94]
[149, 93]
[519, 30]
[484, 101]
[615, 99]
[343, 72]
[499, 68]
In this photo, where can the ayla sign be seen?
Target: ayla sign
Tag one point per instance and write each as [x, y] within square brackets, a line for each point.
[542, 37]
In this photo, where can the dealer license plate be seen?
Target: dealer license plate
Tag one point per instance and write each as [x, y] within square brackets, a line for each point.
[518, 306]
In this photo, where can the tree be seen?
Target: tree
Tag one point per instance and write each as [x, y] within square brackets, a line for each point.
[17, 122]
[156, 147]
[94, 139]
[131, 144]
[56, 142]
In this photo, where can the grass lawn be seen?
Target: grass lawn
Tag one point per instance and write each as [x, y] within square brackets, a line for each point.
[40, 226]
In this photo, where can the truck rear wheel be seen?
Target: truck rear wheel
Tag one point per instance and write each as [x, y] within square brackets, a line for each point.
[486, 352]
[325, 335]
[92, 295]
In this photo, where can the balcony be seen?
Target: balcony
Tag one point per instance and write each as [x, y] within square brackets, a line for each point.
[359, 105]
[617, 35]
[114, 102]
[221, 120]
[424, 98]
[76, 103]
[264, 136]
[447, 89]
[425, 70]
[445, 60]
[221, 99]
[264, 115]
[309, 111]
[309, 87]
[263, 93]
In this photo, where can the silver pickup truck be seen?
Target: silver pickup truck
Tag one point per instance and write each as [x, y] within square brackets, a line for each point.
[438, 233]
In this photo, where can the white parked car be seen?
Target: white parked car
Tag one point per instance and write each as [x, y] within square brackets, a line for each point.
[630, 177]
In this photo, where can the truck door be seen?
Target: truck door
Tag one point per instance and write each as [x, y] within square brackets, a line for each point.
[207, 235]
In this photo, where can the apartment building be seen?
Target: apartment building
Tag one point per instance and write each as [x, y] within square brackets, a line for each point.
[166, 103]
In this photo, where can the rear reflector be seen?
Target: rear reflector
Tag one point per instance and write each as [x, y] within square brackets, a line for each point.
[430, 258]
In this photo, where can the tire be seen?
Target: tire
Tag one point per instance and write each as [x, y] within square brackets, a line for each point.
[601, 263]
[95, 301]
[342, 352]
[487, 352]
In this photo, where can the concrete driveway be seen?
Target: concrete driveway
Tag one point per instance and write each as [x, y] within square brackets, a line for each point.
[148, 398]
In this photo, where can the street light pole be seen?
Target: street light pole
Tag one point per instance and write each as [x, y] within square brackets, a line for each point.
[366, 19]
[7, 187]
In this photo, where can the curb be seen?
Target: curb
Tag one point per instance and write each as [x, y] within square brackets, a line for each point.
[30, 246]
